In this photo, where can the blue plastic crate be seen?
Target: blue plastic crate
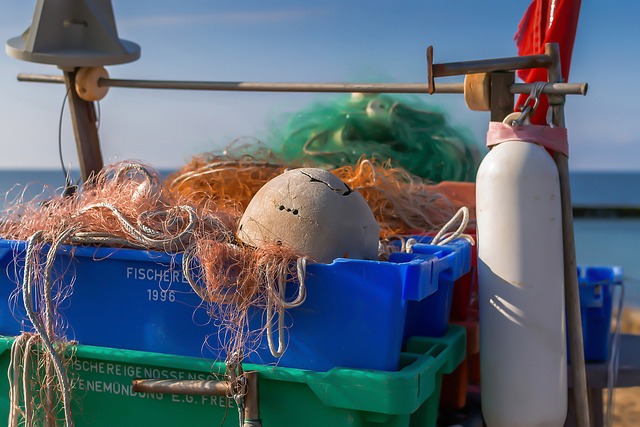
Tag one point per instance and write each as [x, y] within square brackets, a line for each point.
[429, 317]
[354, 314]
[596, 300]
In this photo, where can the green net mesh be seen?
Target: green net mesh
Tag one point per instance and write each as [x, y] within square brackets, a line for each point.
[406, 131]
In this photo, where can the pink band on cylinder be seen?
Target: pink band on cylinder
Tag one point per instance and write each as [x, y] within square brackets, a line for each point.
[552, 138]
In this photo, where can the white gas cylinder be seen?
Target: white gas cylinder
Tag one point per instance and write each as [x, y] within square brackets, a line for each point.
[523, 354]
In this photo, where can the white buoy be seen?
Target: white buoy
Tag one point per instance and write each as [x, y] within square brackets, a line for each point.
[520, 265]
[315, 214]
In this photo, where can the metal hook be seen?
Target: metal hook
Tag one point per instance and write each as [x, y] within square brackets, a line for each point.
[528, 109]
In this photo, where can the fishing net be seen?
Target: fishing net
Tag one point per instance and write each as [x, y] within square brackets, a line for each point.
[413, 135]
[401, 202]
[38, 385]
[194, 214]
[229, 179]
[128, 205]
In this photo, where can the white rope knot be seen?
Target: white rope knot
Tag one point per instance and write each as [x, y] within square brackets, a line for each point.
[443, 237]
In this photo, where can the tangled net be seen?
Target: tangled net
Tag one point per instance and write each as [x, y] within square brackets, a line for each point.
[36, 387]
[413, 135]
[128, 205]
[402, 203]
[223, 180]
[193, 214]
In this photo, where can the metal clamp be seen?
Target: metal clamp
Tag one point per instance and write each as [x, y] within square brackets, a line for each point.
[530, 105]
[241, 386]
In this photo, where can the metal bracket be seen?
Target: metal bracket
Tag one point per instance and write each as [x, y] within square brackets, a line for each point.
[250, 400]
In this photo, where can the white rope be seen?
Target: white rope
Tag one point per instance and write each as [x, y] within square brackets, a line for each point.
[26, 379]
[386, 247]
[442, 238]
[141, 169]
[142, 236]
[301, 269]
[27, 288]
[278, 300]
[187, 258]
[407, 246]
[103, 238]
[279, 351]
[13, 373]
[275, 297]
[48, 282]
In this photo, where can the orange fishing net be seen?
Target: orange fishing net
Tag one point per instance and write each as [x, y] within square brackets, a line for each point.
[225, 181]
[402, 203]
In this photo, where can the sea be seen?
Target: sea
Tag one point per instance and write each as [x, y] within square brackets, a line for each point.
[606, 216]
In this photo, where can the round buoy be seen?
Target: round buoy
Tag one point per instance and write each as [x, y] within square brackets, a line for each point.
[314, 213]
[477, 91]
[87, 86]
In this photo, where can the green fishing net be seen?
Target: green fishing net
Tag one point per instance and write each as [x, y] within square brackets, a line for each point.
[404, 130]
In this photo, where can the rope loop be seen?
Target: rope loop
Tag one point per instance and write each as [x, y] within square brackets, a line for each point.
[443, 237]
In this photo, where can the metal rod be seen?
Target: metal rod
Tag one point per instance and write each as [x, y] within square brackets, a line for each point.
[552, 88]
[195, 387]
[572, 295]
[283, 87]
[517, 88]
[490, 65]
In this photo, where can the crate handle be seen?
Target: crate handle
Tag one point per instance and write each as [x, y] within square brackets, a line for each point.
[250, 414]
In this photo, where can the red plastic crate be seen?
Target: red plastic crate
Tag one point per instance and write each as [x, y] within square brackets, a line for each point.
[455, 385]
[465, 290]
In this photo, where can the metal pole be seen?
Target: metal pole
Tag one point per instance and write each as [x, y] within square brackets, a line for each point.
[282, 87]
[208, 388]
[517, 88]
[572, 295]
[195, 387]
[490, 65]
[251, 400]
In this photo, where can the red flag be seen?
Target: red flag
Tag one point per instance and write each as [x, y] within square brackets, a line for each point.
[546, 21]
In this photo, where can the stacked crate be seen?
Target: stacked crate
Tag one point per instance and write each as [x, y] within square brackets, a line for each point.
[361, 350]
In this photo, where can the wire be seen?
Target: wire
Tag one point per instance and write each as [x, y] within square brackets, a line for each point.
[98, 116]
[69, 187]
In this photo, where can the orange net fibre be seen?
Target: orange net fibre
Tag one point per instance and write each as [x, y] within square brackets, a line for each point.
[401, 202]
[227, 182]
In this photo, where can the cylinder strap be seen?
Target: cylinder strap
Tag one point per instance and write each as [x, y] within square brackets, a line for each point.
[552, 138]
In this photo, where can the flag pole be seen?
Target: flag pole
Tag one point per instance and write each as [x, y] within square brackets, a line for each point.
[572, 295]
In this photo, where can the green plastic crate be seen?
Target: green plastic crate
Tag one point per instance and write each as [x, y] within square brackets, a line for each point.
[103, 393]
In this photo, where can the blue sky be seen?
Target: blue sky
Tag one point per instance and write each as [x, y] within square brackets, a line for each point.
[320, 41]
